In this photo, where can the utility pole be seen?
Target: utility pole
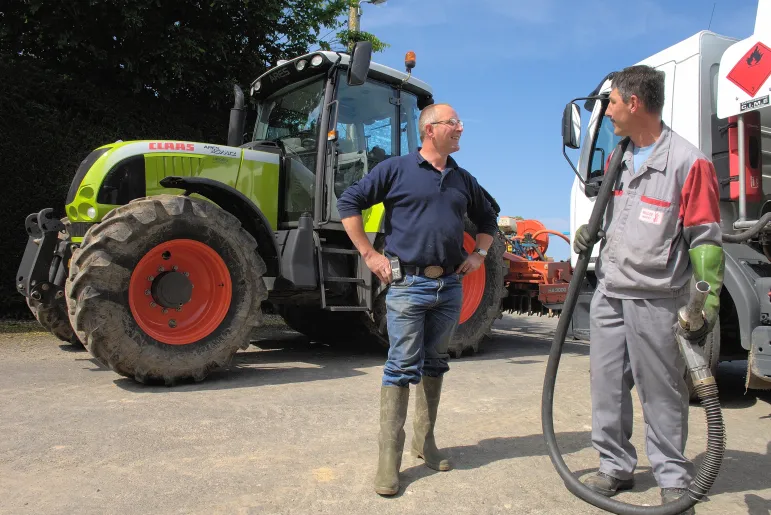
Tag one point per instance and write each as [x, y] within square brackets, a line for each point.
[354, 17]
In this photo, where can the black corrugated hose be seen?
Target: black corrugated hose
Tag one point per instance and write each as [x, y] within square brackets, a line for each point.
[708, 393]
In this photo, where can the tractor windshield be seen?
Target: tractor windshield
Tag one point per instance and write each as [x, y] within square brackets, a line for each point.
[291, 118]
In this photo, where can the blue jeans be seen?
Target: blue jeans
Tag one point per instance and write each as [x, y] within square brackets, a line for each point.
[422, 316]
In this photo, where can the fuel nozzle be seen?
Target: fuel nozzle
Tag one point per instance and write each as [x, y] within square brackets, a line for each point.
[691, 316]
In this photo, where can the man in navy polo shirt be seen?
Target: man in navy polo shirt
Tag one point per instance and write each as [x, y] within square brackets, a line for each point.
[425, 195]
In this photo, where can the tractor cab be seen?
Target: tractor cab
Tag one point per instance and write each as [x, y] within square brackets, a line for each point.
[335, 117]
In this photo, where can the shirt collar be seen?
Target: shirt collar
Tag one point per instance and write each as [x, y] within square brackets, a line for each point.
[659, 156]
[451, 163]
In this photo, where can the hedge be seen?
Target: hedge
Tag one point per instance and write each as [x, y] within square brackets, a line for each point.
[49, 123]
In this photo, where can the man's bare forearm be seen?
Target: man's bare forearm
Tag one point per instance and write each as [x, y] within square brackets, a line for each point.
[484, 241]
[355, 229]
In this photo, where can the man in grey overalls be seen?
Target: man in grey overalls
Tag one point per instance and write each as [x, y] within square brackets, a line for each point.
[661, 230]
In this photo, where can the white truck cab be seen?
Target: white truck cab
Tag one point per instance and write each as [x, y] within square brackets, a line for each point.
[717, 92]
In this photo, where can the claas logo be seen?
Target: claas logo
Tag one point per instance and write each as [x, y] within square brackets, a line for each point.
[171, 145]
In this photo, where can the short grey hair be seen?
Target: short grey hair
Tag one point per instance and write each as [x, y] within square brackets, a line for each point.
[428, 115]
[644, 82]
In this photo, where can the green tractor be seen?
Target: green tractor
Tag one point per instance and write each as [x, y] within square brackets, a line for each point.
[171, 250]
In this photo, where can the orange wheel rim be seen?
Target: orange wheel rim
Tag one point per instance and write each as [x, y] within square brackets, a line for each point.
[180, 292]
[473, 284]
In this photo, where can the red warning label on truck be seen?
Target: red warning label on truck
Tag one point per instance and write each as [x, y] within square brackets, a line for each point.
[753, 69]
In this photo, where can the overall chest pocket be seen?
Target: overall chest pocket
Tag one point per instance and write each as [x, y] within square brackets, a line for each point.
[650, 230]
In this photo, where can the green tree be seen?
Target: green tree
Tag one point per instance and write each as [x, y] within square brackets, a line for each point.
[175, 50]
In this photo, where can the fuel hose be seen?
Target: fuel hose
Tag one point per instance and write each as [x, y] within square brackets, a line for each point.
[705, 389]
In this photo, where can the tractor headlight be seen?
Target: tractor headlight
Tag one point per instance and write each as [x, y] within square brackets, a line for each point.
[317, 60]
[91, 212]
[301, 65]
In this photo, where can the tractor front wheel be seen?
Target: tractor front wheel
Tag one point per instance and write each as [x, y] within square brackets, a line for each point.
[165, 289]
[53, 318]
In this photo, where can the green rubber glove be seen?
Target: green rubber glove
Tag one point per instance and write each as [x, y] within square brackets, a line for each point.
[708, 265]
[582, 240]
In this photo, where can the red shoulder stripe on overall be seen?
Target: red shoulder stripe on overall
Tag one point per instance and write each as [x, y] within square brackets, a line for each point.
[699, 198]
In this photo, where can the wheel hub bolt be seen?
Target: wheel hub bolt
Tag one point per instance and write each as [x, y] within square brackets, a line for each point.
[174, 268]
[147, 292]
[161, 269]
[164, 311]
[153, 304]
[150, 278]
[172, 323]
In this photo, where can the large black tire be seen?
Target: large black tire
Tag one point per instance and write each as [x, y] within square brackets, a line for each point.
[712, 352]
[98, 288]
[54, 319]
[469, 334]
[330, 327]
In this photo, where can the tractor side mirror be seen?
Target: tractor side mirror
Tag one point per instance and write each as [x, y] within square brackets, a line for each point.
[361, 56]
[571, 126]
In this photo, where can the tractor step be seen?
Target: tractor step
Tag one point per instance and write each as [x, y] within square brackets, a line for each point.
[343, 280]
[333, 250]
[345, 308]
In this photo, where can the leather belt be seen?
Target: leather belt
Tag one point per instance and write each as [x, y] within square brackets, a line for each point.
[431, 271]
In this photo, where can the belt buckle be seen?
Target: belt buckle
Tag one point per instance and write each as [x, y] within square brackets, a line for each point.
[433, 271]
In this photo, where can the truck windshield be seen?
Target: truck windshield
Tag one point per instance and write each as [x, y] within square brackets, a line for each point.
[604, 144]
[291, 118]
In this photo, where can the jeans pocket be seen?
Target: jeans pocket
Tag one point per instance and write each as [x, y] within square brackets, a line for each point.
[404, 282]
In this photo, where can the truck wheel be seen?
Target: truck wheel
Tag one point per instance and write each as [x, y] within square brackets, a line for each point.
[483, 291]
[712, 352]
[166, 288]
[331, 327]
[55, 320]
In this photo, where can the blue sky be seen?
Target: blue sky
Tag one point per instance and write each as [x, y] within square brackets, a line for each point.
[509, 68]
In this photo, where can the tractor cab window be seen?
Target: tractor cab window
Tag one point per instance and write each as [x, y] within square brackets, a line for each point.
[291, 118]
[409, 132]
[604, 144]
[366, 128]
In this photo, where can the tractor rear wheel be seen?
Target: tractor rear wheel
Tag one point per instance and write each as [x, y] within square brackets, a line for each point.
[483, 291]
[166, 288]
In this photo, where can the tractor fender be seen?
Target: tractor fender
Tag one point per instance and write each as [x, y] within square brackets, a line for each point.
[237, 204]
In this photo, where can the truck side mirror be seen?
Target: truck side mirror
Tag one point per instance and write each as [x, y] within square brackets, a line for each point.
[359, 65]
[571, 126]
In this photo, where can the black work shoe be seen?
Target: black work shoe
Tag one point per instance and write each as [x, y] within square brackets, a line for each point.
[608, 485]
[672, 494]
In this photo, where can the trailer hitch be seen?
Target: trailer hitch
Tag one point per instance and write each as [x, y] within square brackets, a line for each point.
[43, 267]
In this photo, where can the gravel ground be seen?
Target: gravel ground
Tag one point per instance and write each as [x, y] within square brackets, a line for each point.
[291, 427]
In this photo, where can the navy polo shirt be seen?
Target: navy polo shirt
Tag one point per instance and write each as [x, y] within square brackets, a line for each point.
[424, 208]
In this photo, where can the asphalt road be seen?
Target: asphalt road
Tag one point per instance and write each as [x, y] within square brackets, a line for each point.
[291, 427]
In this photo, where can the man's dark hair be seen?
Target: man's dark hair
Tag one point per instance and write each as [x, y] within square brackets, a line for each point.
[644, 82]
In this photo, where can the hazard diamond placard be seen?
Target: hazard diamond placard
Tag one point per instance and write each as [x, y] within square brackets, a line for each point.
[753, 69]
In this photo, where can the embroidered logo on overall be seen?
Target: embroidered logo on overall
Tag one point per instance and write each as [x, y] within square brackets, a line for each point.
[650, 216]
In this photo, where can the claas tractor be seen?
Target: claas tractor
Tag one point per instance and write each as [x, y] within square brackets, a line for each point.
[171, 251]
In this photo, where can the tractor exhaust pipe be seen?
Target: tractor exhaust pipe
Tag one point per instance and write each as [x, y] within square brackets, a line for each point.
[237, 119]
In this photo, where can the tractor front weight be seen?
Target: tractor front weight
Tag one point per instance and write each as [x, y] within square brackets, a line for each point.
[43, 269]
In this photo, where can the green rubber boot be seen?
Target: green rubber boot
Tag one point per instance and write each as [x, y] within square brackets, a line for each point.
[428, 392]
[393, 413]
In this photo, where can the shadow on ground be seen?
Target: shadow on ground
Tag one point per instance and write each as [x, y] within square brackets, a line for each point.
[280, 356]
[488, 451]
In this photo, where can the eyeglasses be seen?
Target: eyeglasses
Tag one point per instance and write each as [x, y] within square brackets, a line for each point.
[452, 122]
